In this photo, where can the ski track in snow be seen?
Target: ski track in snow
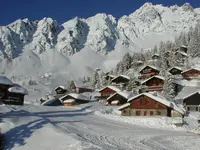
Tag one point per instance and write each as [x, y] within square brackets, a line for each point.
[98, 133]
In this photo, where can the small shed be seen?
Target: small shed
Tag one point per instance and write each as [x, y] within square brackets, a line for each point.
[69, 102]
[147, 104]
[148, 71]
[183, 48]
[108, 91]
[175, 70]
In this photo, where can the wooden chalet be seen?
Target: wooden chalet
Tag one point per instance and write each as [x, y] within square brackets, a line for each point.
[181, 54]
[5, 84]
[16, 95]
[146, 104]
[120, 80]
[147, 72]
[60, 91]
[192, 102]
[175, 71]
[155, 56]
[80, 87]
[108, 91]
[79, 98]
[191, 73]
[154, 83]
[119, 98]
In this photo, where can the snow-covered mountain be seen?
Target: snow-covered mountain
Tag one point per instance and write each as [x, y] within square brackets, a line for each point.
[141, 29]
[78, 46]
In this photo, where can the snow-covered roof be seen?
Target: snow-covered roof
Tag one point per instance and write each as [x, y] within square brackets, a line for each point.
[76, 96]
[156, 54]
[153, 67]
[178, 68]
[5, 81]
[61, 86]
[123, 76]
[114, 88]
[124, 94]
[184, 46]
[80, 84]
[159, 99]
[159, 77]
[49, 102]
[69, 101]
[197, 92]
[182, 53]
[185, 91]
[16, 88]
[190, 69]
[190, 83]
[124, 106]
[110, 75]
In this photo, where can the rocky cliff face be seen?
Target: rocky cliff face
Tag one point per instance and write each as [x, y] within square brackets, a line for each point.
[100, 32]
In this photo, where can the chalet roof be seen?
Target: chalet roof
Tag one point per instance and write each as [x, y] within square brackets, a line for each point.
[190, 69]
[184, 46]
[110, 75]
[124, 106]
[123, 76]
[5, 81]
[50, 101]
[182, 53]
[197, 92]
[114, 88]
[76, 96]
[124, 94]
[156, 54]
[16, 88]
[61, 86]
[159, 77]
[153, 67]
[159, 99]
[178, 68]
[80, 84]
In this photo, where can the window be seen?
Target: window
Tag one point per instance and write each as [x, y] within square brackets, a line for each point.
[197, 108]
[151, 113]
[137, 113]
[158, 113]
[145, 113]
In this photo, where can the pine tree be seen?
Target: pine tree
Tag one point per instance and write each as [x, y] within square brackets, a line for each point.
[169, 87]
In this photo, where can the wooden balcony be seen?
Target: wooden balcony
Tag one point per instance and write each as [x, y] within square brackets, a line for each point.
[151, 88]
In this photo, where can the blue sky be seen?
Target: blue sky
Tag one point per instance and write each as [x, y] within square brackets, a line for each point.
[63, 10]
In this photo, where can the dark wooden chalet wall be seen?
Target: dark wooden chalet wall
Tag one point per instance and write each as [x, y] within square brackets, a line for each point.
[120, 80]
[106, 92]
[154, 82]
[144, 102]
[121, 99]
[192, 100]
[191, 73]
[148, 72]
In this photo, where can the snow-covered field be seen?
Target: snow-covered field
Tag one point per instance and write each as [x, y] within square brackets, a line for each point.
[85, 127]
